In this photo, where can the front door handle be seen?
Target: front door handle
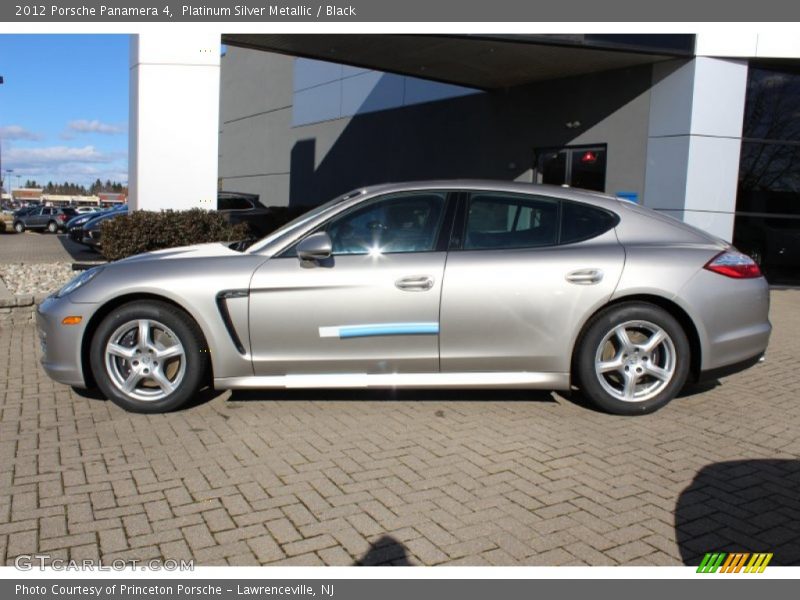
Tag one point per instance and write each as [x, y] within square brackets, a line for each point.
[585, 276]
[414, 283]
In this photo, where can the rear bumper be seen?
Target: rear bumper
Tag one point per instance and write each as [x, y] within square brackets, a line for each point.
[731, 317]
[731, 369]
[92, 238]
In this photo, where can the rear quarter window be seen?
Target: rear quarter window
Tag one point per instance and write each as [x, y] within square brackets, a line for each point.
[580, 222]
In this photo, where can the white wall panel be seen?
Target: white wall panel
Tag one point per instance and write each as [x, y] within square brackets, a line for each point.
[174, 128]
[693, 164]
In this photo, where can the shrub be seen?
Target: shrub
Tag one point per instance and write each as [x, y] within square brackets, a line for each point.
[145, 231]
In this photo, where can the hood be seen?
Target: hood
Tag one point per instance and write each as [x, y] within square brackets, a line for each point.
[197, 251]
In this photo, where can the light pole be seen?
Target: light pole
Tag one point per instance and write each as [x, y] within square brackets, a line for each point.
[1, 152]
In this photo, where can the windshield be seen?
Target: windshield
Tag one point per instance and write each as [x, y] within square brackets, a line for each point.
[300, 221]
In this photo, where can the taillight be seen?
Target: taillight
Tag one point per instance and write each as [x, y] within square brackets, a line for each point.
[734, 264]
[62, 218]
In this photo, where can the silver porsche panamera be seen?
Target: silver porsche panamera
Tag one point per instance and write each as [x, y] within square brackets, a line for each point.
[455, 284]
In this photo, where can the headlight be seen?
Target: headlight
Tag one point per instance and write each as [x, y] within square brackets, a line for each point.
[79, 281]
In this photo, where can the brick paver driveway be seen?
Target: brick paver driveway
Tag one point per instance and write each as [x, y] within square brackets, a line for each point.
[426, 477]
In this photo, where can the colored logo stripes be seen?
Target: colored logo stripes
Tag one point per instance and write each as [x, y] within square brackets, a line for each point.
[734, 562]
[379, 329]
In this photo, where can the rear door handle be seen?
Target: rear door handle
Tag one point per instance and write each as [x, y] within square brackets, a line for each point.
[585, 276]
[414, 283]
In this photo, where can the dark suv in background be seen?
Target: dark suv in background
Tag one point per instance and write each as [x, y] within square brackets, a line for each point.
[50, 218]
[240, 207]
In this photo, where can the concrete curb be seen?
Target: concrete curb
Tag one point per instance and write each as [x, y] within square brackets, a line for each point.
[19, 309]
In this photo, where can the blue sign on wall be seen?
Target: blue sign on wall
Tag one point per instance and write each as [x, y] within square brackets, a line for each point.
[629, 196]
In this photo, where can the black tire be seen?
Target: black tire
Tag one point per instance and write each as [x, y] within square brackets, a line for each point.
[672, 356]
[19, 227]
[52, 227]
[175, 324]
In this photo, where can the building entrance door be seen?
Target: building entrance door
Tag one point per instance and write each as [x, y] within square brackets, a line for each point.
[576, 166]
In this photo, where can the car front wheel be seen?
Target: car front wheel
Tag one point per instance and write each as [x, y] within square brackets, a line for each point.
[149, 357]
[19, 227]
[633, 359]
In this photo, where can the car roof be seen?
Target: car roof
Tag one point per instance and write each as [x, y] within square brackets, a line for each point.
[639, 224]
[496, 185]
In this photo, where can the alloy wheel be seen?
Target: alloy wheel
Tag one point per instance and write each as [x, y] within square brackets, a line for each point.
[635, 361]
[145, 360]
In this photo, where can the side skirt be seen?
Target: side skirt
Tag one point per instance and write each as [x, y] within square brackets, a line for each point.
[519, 380]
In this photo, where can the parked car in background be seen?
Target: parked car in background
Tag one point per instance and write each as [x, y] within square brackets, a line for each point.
[82, 210]
[75, 224]
[7, 219]
[49, 218]
[239, 207]
[91, 231]
[20, 212]
[440, 284]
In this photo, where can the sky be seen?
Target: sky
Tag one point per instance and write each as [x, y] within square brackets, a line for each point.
[64, 108]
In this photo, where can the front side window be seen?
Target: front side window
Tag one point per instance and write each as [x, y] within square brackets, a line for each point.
[510, 221]
[408, 222]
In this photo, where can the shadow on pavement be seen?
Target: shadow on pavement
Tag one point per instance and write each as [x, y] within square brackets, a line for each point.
[741, 506]
[79, 252]
[202, 397]
[89, 394]
[415, 395]
[386, 551]
[691, 389]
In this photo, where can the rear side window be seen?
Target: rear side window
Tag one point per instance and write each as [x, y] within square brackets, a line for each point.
[497, 221]
[581, 222]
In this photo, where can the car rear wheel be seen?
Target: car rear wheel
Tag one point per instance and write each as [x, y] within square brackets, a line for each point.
[633, 359]
[52, 227]
[148, 357]
[19, 227]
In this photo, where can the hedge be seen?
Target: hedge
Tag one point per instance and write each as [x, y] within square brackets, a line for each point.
[145, 231]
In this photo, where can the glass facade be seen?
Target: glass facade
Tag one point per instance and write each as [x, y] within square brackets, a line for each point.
[576, 166]
[767, 224]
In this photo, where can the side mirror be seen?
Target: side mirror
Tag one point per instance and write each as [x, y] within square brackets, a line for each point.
[317, 246]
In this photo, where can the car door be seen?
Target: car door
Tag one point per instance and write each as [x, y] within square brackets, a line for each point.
[373, 307]
[39, 218]
[523, 273]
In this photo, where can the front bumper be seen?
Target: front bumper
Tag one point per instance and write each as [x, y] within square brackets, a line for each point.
[92, 238]
[61, 344]
[76, 233]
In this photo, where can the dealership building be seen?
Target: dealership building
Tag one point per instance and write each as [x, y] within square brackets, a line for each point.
[703, 127]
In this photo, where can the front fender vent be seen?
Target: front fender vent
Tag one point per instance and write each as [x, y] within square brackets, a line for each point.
[222, 306]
